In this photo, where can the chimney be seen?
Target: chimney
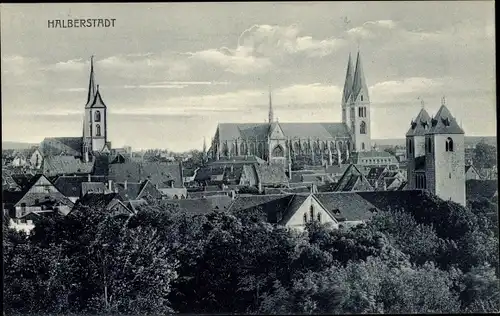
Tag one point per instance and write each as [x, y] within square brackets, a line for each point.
[125, 184]
[89, 179]
[110, 185]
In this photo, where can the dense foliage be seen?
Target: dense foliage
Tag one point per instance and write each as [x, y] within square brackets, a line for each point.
[485, 156]
[162, 260]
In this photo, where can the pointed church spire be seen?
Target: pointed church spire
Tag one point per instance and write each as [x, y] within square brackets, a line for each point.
[271, 112]
[92, 85]
[348, 82]
[359, 82]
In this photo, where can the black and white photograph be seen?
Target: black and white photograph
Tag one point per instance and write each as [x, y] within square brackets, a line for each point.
[264, 158]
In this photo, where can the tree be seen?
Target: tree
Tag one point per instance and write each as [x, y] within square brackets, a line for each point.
[485, 156]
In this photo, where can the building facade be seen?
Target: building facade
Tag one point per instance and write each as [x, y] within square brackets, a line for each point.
[315, 143]
[436, 157]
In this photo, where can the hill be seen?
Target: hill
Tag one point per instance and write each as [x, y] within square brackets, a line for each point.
[17, 145]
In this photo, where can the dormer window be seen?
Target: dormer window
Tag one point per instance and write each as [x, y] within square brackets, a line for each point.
[336, 211]
[434, 122]
[424, 124]
[446, 121]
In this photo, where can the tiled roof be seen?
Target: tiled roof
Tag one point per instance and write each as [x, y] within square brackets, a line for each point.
[375, 173]
[231, 131]
[71, 186]
[421, 124]
[93, 187]
[352, 207]
[97, 200]
[371, 154]
[271, 174]
[244, 201]
[52, 146]
[34, 198]
[444, 123]
[387, 200]
[336, 169]
[136, 205]
[481, 188]
[353, 180]
[22, 180]
[130, 192]
[156, 173]
[236, 160]
[58, 165]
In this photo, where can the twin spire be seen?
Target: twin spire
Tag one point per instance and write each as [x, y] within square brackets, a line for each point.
[355, 82]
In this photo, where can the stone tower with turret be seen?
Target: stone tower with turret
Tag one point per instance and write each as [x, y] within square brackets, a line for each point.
[445, 157]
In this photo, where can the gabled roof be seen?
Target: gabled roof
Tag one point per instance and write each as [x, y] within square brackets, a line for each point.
[349, 76]
[346, 205]
[93, 187]
[98, 200]
[271, 174]
[375, 173]
[157, 173]
[59, 165]
[33, 197]
[336, 169]
[420, 125]
[353, 180]
[444, 123]
[52, 146]
[135, 205]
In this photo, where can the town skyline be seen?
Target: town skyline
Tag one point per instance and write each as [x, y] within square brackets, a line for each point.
[172, 93]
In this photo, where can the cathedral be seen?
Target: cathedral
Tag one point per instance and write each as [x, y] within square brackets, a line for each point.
[313, 143]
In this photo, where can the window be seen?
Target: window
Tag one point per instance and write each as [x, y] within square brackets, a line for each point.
[362, 127]
[311, 211]
[175, 197]
[409, 146]
[37, 201]
[429, 145]
[97, 116]
[278, 151]
[363, 146]
[361, 97]
[319, 217]
[449, 144]
[98, 130]
[305, 218]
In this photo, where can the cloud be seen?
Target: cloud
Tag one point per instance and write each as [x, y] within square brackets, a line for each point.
[70, 65]
[372, 29]
[259, 45]
[17, 65]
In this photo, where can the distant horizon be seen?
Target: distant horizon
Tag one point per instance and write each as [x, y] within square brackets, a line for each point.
[169, 72]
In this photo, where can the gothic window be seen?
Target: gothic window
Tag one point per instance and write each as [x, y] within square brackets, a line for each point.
[360, 113]
[252, 149]
[363, 146]
[361, 97]
[352, 127]
[224, 149]
[278, 151]
[98, 130]
[297, 147]
[305, 218]
[233, 149]
[362, 127]
[319, 217]
[429, 145]
[409, 146]
[311, 211]
[97, 116]
[449, 144]
[260, 150]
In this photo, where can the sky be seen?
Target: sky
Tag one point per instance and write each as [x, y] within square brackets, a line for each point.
[170, 72]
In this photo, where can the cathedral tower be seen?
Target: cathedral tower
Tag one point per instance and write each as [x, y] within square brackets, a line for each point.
[415, 150]
[95, 119]
[445, 157]
[356, 106]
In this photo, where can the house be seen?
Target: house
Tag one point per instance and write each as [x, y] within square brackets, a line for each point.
[19, 160]
[40, 196]
[335, 172]
[36, 158]
[66, 165]
[166, 177]
[271, 175]
[374, 159]
[471, 173]
[353, 180]
[137, 190]
[189, 175]
[73, 186]
[296, 210]
[108, 202]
